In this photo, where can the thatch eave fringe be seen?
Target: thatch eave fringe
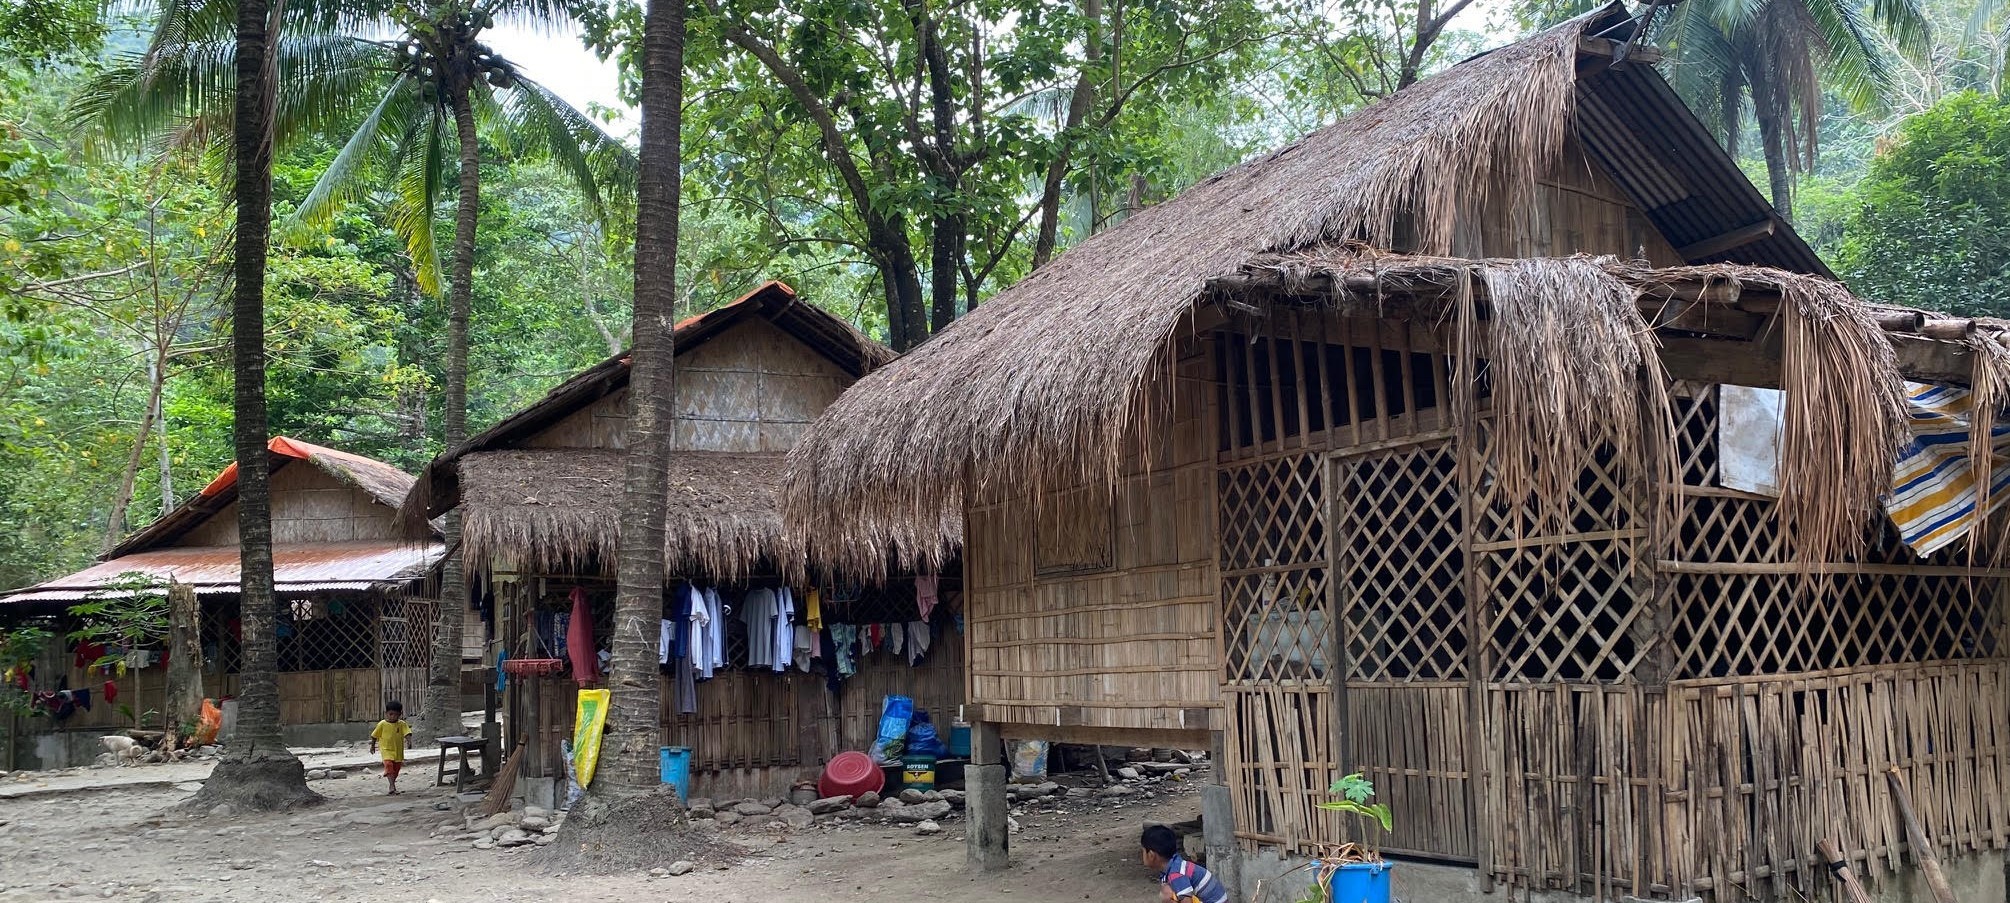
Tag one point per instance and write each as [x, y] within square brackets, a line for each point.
[557, 510]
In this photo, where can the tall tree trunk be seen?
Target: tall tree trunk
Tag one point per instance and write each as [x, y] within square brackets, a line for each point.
[1078, 108]
[629, 761]
[441, 714]
[906, 307]
[161, 436]
[258, 771]
[115, 527]
[1779, 168]
[945, 269]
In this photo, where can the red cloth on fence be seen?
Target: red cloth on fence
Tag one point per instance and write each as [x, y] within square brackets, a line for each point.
[579, 641]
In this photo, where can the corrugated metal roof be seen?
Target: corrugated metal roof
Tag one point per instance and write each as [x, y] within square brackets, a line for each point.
[214, 569]
[1631, 121]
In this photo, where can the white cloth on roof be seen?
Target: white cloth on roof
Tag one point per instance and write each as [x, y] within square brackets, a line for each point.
[663, 643]
[918, 637]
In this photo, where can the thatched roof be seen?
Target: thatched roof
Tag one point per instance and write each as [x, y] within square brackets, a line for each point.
[559, 510]
[437, 490]
[385, 484]
[1043, 384]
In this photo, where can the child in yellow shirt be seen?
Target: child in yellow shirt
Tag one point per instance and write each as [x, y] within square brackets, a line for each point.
[389, 737]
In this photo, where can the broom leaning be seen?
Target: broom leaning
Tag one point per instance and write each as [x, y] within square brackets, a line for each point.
[497, 799]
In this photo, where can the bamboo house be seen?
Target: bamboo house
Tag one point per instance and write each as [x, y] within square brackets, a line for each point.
[539, 498]
[1498, 442]
[353, 627]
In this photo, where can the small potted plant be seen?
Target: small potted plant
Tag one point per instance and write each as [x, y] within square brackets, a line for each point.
[1355, 872]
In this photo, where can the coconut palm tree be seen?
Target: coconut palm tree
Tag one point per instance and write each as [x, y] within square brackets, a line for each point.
[1780, 55]
[634, 726]
[260, 771]
[420, 105]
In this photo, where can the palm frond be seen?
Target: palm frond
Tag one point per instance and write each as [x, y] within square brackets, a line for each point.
[549, 15]
[1907, 24]
[343, 179]
[420, 178]
[328, 82]
[1858, 67]
[574, 141]
[1704, 69]
[144, 98]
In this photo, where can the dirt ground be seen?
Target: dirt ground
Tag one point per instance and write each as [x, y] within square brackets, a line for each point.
[362, 846]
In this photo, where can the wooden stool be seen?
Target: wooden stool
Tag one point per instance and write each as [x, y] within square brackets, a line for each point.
[464, 745]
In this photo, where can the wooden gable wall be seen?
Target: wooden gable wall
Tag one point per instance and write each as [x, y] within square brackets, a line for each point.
[754, 388]
[308, 505]
[1577, 209]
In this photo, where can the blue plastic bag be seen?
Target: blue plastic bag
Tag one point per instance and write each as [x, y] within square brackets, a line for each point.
[895, 713]
[922, 739]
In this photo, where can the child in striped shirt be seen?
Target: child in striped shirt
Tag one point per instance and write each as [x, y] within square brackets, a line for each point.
[1180, 881]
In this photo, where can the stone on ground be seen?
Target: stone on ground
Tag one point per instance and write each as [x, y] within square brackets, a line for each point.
[866, 800]
[680, 867]
[919, 812]
[927, 827]
[751, 809]
[796, 817]
[830, 804]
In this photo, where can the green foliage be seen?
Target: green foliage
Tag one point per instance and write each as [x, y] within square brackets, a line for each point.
[19, 646]
[129, 610]
[1354, 792]
[40, 33]
[1929, 226]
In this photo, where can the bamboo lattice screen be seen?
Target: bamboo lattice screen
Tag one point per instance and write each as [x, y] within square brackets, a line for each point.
[1654, 715]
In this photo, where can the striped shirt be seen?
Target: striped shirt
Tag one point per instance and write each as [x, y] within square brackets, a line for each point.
[1191, 882]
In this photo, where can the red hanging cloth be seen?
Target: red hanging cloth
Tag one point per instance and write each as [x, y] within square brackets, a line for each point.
[579, 641]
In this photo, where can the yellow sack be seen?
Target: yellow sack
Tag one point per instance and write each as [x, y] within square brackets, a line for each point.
[587, 723]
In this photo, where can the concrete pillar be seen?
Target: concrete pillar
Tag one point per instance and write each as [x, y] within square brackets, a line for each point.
[1217, 823]
[984, 807]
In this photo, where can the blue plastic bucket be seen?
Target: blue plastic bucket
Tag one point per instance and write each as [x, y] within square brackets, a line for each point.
[677, 769]
[1361, 882]
[959, 740]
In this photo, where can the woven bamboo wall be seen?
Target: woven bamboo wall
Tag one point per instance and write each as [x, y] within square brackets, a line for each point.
[751, 388]
[308, 505]
[1059, 639]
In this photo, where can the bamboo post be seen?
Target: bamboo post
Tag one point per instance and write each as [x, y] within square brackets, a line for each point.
[1852, 888]
[1915, 836]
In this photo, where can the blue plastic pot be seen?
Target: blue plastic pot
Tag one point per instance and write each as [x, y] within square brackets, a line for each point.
[1361, 882]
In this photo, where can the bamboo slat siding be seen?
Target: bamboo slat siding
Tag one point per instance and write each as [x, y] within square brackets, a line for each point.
[1056, 640]
[1618, 790]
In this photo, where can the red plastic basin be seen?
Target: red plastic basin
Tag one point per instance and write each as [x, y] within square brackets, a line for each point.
[850, 774]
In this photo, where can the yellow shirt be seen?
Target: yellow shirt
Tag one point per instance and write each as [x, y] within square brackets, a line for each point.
[390, 737]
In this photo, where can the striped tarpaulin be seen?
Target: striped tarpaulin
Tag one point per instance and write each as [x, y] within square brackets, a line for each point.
[1933, 494]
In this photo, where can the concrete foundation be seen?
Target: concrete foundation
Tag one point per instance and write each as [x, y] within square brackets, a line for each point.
[990, 837]
[1217, 828]
[1978, 878]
